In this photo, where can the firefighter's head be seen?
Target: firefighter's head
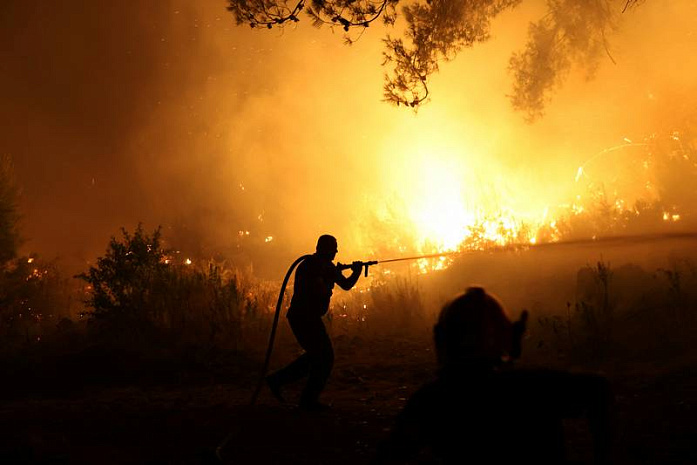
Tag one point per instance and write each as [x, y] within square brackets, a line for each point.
[475, 328]
[327, 246]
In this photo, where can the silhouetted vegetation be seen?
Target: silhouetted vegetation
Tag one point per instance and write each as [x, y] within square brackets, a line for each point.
[624, 312]
[136, 290]
[35, 300]
[123, 283]
[137, 295]
[34, 296]
[392, 306]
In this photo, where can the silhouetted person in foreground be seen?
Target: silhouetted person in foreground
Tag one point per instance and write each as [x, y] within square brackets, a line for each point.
[481, 410]
[312, 291]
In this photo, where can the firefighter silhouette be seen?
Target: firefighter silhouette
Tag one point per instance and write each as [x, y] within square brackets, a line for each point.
[314, 283]
[479, 409]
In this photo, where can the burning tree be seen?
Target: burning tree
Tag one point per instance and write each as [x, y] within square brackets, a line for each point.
[572, 32]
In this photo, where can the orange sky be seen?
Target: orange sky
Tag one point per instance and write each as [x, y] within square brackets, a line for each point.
[166, 113]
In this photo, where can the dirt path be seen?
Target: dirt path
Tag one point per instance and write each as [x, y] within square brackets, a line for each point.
[180, 424]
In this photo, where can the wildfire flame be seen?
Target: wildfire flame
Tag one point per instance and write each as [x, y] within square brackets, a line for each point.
[447, 210]
[439, 213]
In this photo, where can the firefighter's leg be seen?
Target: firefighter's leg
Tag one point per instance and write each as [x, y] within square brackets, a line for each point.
[300, 367]
[297, 369]
[318, 348]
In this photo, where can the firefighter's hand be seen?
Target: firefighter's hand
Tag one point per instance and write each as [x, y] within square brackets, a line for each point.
[356, 267]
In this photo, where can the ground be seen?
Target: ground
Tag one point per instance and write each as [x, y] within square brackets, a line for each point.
[182, 419]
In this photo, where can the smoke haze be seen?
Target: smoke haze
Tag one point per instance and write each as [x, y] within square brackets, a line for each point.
[166, 113]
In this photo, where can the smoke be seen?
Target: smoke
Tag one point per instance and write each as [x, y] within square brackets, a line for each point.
[167, 113]
[73, 86]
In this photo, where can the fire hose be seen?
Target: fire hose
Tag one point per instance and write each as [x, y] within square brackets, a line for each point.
[627, 239]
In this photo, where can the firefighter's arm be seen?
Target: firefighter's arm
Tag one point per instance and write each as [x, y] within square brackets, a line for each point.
[347, 283]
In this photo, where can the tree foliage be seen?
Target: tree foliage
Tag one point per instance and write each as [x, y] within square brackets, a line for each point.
[572, 32]
[121, 283]
[437, 31]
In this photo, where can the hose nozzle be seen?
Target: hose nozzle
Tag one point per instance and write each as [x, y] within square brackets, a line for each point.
[367, 264]
[342, 266]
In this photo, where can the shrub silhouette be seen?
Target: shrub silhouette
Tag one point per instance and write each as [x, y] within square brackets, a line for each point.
[136, 292]
[120, 285]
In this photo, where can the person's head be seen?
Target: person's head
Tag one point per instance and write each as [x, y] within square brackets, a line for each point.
[475, 328]
[327, 246]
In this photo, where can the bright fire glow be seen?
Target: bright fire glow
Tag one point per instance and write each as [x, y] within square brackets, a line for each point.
[450, 200]
[439, 213]
[447, 209]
